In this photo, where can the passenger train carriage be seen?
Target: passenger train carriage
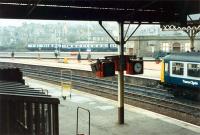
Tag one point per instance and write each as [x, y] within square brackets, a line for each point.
[181, 72]
[73, 47]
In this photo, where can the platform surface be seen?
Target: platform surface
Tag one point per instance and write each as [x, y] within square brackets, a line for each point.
[151, 69]
[104, 116]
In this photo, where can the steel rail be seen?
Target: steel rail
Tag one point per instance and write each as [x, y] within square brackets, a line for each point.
[97, 81]
[131, 92]
[153, 101]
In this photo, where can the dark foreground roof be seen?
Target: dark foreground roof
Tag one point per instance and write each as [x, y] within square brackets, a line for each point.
[150, 11]
[187, 57]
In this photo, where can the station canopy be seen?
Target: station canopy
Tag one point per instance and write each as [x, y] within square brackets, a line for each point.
[134, 11]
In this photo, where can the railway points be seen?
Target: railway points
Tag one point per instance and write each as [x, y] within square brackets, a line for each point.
[138, 121]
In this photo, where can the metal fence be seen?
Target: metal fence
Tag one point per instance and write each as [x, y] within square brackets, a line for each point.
[27, 111]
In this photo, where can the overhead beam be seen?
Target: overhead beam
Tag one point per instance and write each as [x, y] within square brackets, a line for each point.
[131, 33]
[67, 13]
[116, 42]
[192, 6]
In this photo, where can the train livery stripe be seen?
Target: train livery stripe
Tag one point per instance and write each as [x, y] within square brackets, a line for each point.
[162, 72]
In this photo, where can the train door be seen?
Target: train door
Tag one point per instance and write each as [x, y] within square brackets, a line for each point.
[167, 71]
[164, 76]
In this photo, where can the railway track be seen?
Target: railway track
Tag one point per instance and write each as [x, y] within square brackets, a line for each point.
[154, 96]
[154, 99]
[102, 83]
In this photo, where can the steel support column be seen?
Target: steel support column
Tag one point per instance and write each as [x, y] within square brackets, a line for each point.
[192, 34]
[121, 75]
[121, 43]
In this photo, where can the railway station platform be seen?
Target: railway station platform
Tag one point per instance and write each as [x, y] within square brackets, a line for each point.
[151, 69]
[104, 116]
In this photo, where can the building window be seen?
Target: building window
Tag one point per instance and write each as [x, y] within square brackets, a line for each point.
[165, 47]
[193, 70]
[177, 68]
[187, 47]
[176, 47]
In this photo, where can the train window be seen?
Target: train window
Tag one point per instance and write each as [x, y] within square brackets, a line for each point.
[193, 70]
[177, 68]
[29, 45]
[40, 45]
[166, 67]
[63, 46]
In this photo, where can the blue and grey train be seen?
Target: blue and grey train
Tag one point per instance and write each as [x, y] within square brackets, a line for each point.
[94, 47]
[181, 72]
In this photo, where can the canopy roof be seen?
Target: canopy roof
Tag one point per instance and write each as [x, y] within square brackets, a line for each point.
[149, 11]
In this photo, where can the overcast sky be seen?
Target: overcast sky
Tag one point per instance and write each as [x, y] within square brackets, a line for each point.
[19, 22]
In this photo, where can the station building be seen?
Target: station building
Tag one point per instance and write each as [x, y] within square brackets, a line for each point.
[148, 45]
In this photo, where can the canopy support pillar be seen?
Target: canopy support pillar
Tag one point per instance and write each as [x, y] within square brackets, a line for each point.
[121, 75]
[121, 43]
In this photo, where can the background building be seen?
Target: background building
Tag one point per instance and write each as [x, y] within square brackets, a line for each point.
[148, 45]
